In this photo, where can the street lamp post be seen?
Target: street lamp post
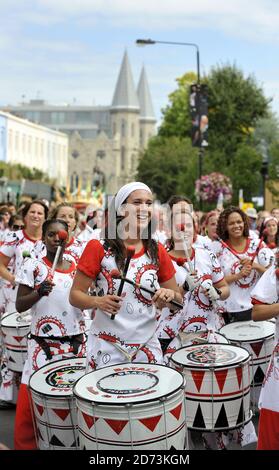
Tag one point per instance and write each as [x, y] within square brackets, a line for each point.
[145, 42]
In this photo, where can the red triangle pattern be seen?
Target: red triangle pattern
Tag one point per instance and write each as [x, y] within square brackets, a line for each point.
[63, 414]
[221, 376]
[90, 420]
[116, 425]
[257, 347]
[198, 378]
[238, 371]
[40, 409]
[151, 423]
[18, 338]
[176, 412]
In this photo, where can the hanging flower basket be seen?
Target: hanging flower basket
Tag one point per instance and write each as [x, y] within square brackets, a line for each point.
[209, 187]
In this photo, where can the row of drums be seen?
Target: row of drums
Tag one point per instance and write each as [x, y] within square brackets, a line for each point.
[209, 387]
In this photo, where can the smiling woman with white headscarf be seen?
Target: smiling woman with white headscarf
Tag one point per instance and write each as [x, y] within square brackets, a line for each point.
[131, 335]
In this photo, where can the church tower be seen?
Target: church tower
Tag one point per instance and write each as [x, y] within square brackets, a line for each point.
[147, 116]
[125, 123]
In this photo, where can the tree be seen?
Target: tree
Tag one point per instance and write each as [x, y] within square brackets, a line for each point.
[236, 106]
[169, 166]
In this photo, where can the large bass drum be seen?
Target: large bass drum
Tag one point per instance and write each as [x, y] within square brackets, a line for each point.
[131, 406]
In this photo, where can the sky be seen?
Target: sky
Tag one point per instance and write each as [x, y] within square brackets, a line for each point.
[70, 51]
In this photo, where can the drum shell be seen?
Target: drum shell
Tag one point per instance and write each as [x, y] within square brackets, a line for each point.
[216, 399]
[153, 425]
[56, 416]
[15, 341]
[260, 351]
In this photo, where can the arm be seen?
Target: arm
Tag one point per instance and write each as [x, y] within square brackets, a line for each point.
[168, 291]
[224, 288]
[258, 267]
[79, 296]
[26, 298]
[262, 312]
[4, 272]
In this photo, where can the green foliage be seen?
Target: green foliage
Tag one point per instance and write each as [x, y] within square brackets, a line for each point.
[18, 172]
[238, 118]
[169, 166]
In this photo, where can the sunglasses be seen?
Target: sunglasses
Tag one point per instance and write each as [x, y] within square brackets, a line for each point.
[18, 227]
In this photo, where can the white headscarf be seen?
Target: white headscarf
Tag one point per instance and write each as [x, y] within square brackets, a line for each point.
[126, 190]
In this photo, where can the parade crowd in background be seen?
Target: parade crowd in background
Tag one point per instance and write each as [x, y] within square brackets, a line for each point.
[221, 267]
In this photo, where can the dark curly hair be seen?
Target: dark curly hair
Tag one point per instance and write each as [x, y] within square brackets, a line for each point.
[222, 224]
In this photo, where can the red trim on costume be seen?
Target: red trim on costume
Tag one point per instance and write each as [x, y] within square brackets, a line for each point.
[66, 271]
[236, 251]
[30, 239]
[257, 302]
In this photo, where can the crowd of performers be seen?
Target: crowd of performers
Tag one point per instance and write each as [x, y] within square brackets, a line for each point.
[221, 266]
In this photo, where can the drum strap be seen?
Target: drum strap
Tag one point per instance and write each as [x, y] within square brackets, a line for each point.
[74, 341]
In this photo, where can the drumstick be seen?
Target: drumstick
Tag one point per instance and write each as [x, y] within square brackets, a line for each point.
[114, 273]
[181, 227]
[62, 235]
[130, 253]
[259, 246]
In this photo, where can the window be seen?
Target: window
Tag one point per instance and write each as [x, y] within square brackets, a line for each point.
[123, 128]
[123, 151]
[133, 130]
[57, 118]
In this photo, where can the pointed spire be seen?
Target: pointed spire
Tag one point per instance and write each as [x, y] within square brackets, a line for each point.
[125, 97]
[146, 106]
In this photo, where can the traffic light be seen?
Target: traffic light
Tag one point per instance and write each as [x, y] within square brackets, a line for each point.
[199, 114]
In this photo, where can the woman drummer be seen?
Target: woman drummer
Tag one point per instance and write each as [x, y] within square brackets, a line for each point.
[199, 273]
[56, 326]
[132, 334]
[243, 260]
[17, 244]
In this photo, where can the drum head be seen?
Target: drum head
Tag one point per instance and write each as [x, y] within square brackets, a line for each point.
[14, 320]
[128, 384]
[57, 378]
[207, 356]
[248, 331]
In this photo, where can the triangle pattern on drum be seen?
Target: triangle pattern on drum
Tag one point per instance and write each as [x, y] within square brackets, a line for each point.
[222, 420]
[19, 338]
[259, 376]
[11, 359]
[40, 409]
[150, 423]
[221, 376]
[176, 412]
[240, 418]
[198, 378]
[257, 347]
[40, 434]
[90, 420]
[239, 374]
[63, 414]
[54, 441]
[199, 421]
[116, 425]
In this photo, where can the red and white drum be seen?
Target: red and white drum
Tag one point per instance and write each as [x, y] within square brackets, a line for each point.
[54, 407]
[131, 406]
[15, 330]
[217, 385]
[258, 339]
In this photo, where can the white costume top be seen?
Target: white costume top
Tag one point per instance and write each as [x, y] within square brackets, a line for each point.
[240, 299]
[52, 315]
[135, 322]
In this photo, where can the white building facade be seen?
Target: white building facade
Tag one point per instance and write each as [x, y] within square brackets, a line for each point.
[34, 146]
